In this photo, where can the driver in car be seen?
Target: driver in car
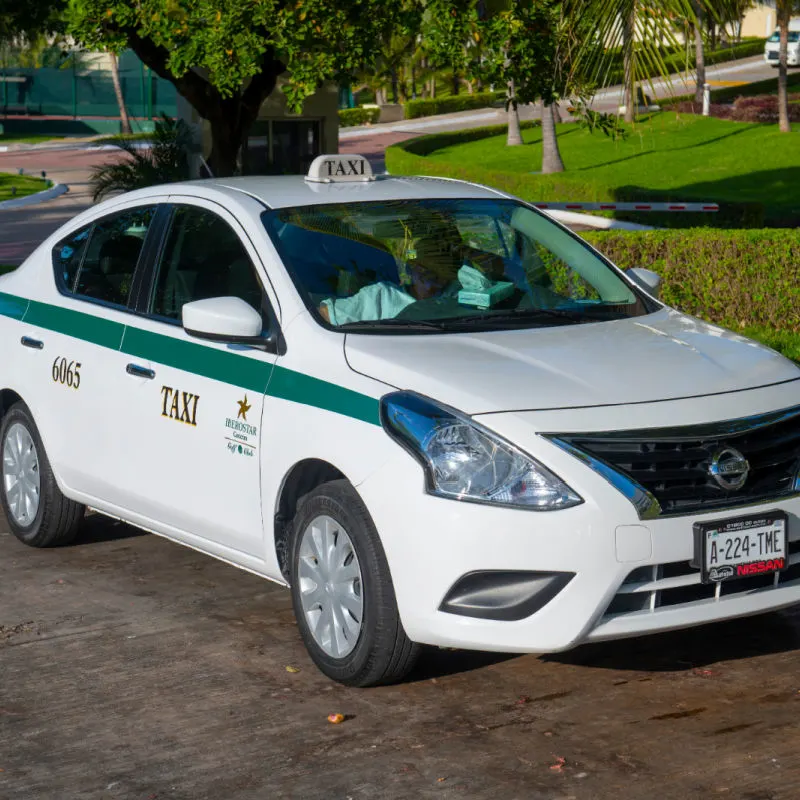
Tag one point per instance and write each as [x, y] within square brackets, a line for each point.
[430, 270]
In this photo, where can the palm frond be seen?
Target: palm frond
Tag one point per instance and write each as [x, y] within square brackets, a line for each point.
[165, 161]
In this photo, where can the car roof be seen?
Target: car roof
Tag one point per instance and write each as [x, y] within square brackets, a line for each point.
[284, 191]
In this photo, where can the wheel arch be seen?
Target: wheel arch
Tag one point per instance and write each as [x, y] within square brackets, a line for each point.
[7, 399]
[302, 478]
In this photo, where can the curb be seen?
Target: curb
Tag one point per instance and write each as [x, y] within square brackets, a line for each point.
[33, 199]
[55, 146]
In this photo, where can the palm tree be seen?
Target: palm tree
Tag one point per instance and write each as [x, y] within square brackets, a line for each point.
[165, 161]
[785, 9]
[641, 29]
[125, 125]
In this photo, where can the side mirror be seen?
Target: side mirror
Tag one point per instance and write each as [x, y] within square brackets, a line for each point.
[645, 278]
[223, 319]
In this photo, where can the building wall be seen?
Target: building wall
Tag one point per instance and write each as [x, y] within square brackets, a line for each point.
[761, 20]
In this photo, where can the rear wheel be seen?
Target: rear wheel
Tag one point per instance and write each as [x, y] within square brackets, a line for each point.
[342, 591]
[37, 513]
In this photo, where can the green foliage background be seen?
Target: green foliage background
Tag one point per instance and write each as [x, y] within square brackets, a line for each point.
[746, 280]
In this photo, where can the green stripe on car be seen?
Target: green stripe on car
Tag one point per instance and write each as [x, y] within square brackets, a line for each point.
[220, 365]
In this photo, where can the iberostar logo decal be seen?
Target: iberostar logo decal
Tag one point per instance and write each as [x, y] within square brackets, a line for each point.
[240, 435]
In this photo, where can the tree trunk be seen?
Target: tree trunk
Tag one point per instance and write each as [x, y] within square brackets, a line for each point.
[433, 88]
[226, 141]
[395, 97]
[413, 82]
[784, 14]
[125, 123]
[456, 82]
[699, 54]
[551, 156]
[514, 132]
[629, 56]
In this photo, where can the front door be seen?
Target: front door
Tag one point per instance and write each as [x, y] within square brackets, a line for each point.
[194, 443]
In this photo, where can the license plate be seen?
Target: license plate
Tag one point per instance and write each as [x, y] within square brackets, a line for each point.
[741, 547]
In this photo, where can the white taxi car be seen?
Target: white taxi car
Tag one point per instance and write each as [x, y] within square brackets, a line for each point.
[436, 414]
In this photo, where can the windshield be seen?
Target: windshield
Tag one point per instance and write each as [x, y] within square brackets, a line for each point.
[794, 36]
[445, 265]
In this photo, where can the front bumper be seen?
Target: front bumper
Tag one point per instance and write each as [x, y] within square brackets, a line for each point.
[431, 543]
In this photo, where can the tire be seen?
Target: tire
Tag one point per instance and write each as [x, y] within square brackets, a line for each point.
[379, 651]
[56, 519]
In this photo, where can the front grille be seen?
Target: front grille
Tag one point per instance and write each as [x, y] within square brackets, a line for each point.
[772, 55]
[677, 583]
[672, 464]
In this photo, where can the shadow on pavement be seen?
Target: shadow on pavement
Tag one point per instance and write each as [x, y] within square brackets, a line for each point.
[677, 651]
[97, 528]
[438, 662]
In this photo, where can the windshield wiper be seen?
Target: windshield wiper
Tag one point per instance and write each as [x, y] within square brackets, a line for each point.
[523, 315]
[383, 324]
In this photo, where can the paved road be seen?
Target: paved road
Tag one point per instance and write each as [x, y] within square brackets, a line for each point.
[22, 229]
[135, 669]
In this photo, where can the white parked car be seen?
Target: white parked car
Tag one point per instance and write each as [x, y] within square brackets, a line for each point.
[434, 412]
[772, 47]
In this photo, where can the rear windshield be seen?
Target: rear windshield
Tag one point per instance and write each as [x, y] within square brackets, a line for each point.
[445, 265]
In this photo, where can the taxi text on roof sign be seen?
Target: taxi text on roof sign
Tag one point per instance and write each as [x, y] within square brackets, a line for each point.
[336, 168]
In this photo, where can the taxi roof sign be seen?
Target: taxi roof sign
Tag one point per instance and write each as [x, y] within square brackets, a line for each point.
[339, 169]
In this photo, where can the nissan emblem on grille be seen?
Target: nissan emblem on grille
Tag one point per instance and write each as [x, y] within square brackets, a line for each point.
[729, 468]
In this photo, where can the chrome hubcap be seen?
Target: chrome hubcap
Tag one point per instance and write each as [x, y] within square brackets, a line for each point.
[21, 479]
[330, 586]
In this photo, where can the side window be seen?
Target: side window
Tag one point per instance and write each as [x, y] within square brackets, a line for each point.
[68, 254]
[203, 257]
[99, 263]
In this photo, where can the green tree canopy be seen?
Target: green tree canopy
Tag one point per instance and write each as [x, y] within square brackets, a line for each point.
[225, 56]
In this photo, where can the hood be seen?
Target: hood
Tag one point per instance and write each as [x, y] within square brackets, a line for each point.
[661, 356]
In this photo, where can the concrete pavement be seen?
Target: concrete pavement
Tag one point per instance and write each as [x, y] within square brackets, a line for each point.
[136, 669]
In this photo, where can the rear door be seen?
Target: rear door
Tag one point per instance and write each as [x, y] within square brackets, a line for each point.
[195, 459]
[71, 335]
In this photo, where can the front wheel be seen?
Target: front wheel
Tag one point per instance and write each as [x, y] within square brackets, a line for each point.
[342, 591]
[37, 513]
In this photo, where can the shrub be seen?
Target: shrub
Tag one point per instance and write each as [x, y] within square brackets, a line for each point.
[761, 108]
[165, 161]
[358, 116]
[746, 280]
[452, 103]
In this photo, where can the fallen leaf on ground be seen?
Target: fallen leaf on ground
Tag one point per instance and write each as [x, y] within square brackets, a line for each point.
[292, 669]
[440, 780]
[559, 765]
[705, 673]
[335, 719]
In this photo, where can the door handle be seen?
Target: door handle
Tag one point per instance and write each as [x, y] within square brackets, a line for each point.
[36, 344]
[140, 372]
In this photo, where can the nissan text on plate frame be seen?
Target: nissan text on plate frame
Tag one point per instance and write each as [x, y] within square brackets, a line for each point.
[436, 414]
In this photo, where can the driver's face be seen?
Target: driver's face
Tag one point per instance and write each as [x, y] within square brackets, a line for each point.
[425, 283]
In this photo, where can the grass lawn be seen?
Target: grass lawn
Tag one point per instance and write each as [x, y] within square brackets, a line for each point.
[683, 157]
[23, 183]
[12, 139]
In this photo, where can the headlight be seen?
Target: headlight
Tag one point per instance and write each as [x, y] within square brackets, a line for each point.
[464, 461]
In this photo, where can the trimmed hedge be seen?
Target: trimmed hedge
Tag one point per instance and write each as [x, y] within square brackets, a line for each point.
[358, 116]
[409, 158]
[452, 103]
[746, 280]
